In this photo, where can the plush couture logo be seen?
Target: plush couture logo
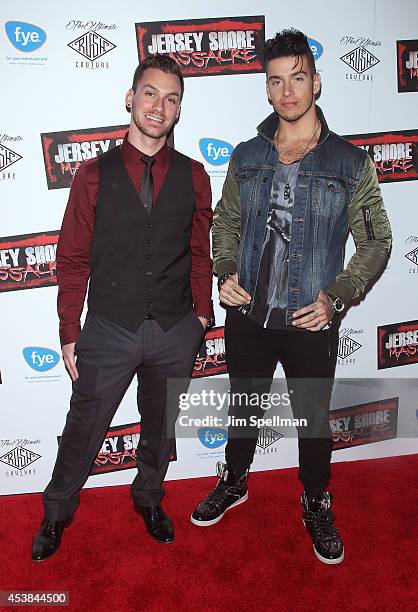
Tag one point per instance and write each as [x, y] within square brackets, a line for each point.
[212, 437]
[24, 36]
[40, 359]
[216, 152]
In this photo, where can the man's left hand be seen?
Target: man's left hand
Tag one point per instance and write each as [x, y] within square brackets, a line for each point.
[316, 315]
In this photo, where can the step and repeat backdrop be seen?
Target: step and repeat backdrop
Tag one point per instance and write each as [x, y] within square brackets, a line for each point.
[65, 71]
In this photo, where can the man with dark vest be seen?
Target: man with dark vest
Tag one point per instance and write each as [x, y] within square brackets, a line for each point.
[137, 226]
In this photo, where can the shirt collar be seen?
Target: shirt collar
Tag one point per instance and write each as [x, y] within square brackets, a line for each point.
[133, 155]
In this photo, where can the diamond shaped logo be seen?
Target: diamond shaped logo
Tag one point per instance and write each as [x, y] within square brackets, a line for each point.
[360, 59]
[7, 157]
[20, 458]
[413, 256]
[268, 436]
[91, 45]
[347, 346]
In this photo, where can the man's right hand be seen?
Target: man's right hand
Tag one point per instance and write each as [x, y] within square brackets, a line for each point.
[69, 360]
[231, 294]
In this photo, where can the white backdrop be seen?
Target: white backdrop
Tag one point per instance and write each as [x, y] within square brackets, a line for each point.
[48, 91]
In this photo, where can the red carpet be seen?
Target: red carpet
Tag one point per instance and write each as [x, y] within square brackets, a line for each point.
[259, 557]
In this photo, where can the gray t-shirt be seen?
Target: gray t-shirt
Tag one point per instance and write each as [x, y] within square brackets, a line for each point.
[270, 298]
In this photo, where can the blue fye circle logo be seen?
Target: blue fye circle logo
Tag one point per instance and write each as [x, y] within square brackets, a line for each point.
[316, 48]
[25, 36]
[212, 437]
[216, 152]
[40, 359]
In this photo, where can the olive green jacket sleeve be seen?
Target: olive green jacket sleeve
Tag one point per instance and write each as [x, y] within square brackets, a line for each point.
[372, 236]
[227, 226]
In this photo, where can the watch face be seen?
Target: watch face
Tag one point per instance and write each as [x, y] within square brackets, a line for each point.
[338, 305]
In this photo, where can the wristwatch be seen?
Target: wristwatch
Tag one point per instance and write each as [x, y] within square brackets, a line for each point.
[336, 303]
[210, 321]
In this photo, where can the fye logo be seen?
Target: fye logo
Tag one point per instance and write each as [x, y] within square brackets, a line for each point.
[216, 152]
[212, 437]
[40, 359]
[26, 37]
[316, 48]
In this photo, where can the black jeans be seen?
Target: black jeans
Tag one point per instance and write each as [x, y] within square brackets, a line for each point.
[309, 360]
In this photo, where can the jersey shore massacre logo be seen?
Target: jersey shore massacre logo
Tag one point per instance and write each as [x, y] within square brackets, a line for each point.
[210, 360]
[91, 45]
[364, 423]
[28, 261]
[395, 154]
[119, 449]
[65, 151]
[407, 56]
[397, 344]
[202, 47]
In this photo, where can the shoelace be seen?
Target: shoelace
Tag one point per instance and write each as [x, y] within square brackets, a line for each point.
[323, 524]
[216, 497]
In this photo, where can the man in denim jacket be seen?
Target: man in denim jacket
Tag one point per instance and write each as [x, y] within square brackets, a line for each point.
[290, 197]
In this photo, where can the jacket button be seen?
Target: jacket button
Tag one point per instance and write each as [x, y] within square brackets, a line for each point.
[149, 273]
[255, 247]
[113, 283]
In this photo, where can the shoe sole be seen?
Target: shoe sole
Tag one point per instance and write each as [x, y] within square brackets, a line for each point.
[159, 541]
[324, 559]
[328, 561]
[216, 520]
[70, 520]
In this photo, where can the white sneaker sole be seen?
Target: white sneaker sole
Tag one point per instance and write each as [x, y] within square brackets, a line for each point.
[324, 559]
[216, 520]
[329, 561]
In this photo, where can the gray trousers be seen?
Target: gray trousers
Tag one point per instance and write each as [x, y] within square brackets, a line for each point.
[108, 357]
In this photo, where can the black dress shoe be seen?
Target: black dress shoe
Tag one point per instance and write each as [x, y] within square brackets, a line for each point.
[48, 539]
[157, 523]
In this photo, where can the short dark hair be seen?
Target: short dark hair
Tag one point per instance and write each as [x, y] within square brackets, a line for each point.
[159, 62]
[289, 43]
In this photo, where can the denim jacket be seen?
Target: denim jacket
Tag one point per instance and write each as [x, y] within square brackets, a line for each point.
[336, 191]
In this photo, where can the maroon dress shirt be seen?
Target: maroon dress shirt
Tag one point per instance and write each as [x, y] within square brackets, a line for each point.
[73, 252]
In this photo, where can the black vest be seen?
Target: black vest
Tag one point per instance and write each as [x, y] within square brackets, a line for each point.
[141, 263]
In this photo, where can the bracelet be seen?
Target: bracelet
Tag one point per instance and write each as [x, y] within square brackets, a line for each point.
[223, 278]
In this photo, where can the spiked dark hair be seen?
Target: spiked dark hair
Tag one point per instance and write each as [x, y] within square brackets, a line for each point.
[159, 62]
[289, 43]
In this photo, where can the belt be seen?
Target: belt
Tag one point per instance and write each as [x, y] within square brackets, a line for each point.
[149, 316]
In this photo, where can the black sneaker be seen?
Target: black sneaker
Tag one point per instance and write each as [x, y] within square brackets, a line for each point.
[318, 520]
[230, 491]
